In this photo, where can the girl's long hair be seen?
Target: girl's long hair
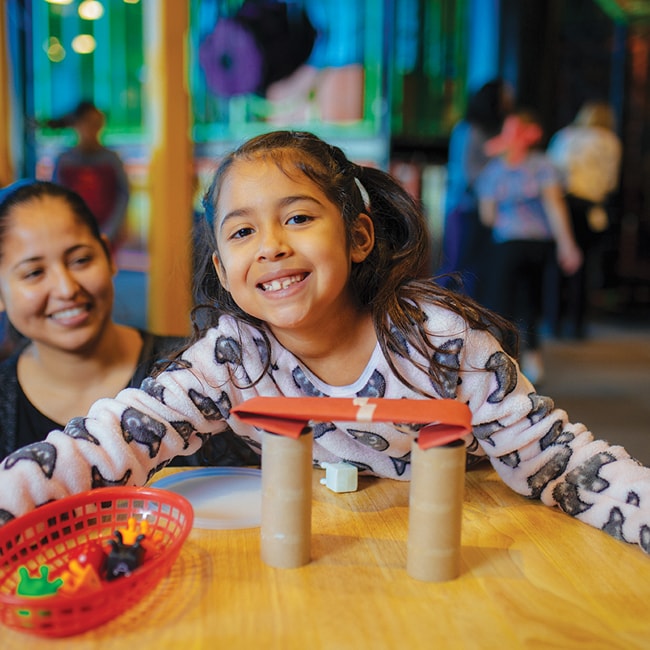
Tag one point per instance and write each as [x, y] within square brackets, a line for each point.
[391, 282]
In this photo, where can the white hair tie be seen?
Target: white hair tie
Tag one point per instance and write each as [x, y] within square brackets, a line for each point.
[364, 193]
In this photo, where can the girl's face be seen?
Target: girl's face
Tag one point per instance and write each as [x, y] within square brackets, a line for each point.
[282, 251]
[56, 282]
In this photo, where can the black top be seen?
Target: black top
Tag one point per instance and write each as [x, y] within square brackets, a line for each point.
[31, 424]
[21, 423]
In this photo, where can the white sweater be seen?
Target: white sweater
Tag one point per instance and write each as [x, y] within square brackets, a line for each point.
[532, 445]
[589, 159]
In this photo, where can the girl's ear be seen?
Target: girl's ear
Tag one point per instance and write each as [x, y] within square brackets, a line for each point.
[221, 274]
[363, 238]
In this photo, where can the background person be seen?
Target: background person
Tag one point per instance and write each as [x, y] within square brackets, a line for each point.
[465, 237]
[521, 200]
[588, 154]
[94, 171]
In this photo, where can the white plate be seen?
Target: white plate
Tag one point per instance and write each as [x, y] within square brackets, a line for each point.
[222, 497]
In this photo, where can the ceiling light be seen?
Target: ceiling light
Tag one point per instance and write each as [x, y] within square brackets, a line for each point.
[91, 9]
[84, 44]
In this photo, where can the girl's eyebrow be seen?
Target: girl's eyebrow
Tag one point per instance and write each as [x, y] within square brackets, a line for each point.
[284, 202]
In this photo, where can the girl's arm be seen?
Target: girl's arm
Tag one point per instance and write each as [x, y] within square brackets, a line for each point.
[539, 453]
[569, 256]
[122, 441]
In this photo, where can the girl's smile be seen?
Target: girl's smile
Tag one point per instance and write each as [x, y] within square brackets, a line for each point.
[281, 283]
[282, 249]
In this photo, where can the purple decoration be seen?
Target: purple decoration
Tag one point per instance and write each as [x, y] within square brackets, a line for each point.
[231, 59]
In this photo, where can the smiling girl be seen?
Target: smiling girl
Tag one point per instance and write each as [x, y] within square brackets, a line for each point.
[309, 288]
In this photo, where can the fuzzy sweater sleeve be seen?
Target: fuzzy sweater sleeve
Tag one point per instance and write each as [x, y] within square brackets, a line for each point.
[122, 441]
[539, 453]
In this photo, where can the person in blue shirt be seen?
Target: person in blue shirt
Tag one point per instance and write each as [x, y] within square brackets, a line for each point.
[521, 200]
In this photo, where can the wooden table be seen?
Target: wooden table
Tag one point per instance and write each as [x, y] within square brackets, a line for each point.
[532, 577]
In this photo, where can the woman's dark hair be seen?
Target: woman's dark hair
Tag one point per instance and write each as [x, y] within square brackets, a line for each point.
[390, 282]
[485, 107]
[27, 190]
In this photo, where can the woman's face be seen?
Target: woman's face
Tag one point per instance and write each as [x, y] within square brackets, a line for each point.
[56, 282]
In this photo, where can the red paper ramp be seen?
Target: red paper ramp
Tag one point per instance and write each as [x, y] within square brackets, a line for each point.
[446, 420]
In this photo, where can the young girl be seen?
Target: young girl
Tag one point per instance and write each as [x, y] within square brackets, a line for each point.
[312, 292]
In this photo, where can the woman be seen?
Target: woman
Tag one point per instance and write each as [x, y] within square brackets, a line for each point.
[56, 291]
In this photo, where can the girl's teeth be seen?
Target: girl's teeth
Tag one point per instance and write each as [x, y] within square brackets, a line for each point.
[276, 285]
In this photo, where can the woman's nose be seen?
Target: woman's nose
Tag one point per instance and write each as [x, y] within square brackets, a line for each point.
[64, 283]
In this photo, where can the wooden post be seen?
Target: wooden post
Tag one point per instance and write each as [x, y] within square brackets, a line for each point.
[171, 170]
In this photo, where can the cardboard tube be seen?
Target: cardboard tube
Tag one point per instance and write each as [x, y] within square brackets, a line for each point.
[435, 511]
[286, 500]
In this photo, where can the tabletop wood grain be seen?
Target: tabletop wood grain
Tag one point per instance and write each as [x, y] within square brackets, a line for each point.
[531, 577]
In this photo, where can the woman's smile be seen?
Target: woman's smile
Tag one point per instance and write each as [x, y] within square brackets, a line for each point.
[56, 281]
[71, 315]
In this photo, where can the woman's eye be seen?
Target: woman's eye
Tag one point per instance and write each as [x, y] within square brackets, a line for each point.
[81, 261]
[32, 274]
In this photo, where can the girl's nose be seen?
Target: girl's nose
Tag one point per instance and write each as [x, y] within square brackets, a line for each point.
[273, 244]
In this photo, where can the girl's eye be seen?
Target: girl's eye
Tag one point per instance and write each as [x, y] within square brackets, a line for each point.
[241, 233]
[299, 219]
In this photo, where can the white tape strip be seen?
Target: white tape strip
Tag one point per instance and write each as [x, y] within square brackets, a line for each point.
[365, 411]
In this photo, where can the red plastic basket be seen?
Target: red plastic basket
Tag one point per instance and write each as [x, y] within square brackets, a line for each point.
[49, 536]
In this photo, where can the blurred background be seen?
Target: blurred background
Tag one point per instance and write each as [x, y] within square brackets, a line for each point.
[180, 82]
